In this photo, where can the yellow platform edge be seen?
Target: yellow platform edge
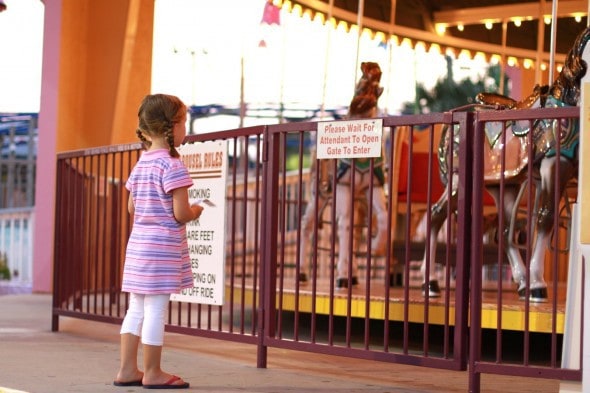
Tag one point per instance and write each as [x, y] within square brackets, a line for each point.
[417, 312]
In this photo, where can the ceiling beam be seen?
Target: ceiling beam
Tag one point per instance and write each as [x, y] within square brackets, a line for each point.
[523, 11]
[428, 37]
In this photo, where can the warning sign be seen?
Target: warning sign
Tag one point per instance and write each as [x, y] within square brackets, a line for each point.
[207, 165]
[349, 138]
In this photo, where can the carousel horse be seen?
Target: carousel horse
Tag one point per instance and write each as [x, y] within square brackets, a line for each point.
[565, 91]
[363, 105]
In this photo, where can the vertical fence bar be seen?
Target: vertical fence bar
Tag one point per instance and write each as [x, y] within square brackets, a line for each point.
[269, 227]
[476, 258]
[467, 205]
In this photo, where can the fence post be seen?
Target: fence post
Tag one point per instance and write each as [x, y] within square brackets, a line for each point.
[269, 229]
[475, 263]
[464, 235]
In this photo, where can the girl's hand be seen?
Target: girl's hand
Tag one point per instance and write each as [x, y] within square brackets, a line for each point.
[197, 210]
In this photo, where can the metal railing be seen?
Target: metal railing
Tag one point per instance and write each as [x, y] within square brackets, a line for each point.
[18, 153]
[385, 317]
[16, 243]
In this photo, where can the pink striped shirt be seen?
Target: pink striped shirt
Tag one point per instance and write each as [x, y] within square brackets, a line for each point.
[157, 259]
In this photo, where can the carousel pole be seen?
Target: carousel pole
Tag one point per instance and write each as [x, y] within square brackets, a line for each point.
[359, 23]
[503, 62]
[553, 36]
[242, 100]
[328, 41]
[540, 41]
[390, 55]
[283, 52]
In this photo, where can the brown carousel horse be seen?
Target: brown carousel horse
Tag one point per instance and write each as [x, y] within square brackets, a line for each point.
[565, 91]
[363, 105]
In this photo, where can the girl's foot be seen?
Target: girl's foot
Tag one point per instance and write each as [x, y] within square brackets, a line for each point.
[124, 380]
[173, 382]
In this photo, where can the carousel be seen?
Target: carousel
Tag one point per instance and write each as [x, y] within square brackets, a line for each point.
[345, 220]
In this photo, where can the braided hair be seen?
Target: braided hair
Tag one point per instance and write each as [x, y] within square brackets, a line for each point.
[158, 113]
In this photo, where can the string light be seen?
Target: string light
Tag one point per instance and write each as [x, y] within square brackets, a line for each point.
[319, 18]
[380, 36]
[527, 64]
[342, 26]
[465, 54]
[512, 61]
[420, 47]
[435, 48]
[440, 28]
[406, 43]
[297, 10]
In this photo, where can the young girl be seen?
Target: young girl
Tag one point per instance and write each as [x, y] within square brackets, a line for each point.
[157, 260]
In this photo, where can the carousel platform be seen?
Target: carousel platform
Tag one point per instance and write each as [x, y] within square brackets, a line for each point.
[371, 301]
[501, 305]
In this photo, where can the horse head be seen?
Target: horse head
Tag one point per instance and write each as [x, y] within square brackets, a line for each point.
[367, 92]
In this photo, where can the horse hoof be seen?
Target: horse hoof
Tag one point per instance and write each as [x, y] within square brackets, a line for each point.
[433, 289]
[343, 282]
[396, 280]
[536, 295]
[302, 277]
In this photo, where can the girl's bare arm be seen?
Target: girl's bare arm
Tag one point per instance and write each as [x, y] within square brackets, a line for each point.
[183, 210]
[130, 205]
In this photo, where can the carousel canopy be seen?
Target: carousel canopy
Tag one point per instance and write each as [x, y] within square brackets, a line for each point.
[504, 27]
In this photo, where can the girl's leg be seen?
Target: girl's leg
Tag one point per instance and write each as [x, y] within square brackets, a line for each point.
[130, 331]
[152, 337]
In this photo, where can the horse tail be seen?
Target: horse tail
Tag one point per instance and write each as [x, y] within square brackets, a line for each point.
[567, 85]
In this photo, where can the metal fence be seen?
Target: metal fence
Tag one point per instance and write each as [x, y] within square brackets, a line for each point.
[18, 154]
[282, 223]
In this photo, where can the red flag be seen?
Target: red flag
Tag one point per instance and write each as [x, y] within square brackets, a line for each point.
[272, 14]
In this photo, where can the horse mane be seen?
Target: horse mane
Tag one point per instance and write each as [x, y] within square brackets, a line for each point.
[567, 84]
[367, 92]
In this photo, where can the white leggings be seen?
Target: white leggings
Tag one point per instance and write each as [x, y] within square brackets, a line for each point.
[146, 317]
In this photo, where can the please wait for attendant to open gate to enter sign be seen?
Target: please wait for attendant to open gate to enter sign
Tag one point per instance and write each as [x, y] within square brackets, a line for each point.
[350, 139]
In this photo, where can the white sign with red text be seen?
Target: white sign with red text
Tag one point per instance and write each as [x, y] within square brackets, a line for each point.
[207, 166]
[349, 138]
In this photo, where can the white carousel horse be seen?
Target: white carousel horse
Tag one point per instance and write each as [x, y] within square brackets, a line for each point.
[564, 92]
[363, 105]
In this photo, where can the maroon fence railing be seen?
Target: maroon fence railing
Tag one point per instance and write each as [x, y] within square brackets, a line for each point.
[292, 219]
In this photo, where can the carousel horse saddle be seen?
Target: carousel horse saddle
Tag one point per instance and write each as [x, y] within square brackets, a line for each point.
[539, 92]
[545, 133]
[362, 166]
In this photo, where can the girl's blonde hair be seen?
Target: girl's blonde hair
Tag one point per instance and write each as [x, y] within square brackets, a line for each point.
[158, 113]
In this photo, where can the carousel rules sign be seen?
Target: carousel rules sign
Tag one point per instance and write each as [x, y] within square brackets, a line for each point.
[207, 165]
[349, 138]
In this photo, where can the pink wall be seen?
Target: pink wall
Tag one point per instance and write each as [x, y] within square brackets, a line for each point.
[46, 159]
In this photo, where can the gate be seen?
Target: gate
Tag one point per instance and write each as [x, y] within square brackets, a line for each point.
[282, 217]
